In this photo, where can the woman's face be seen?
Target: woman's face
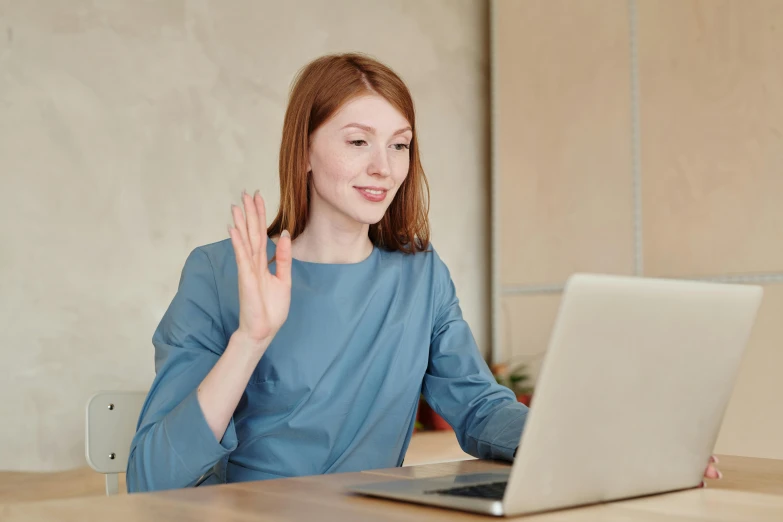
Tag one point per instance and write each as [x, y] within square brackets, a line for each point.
[358, 159]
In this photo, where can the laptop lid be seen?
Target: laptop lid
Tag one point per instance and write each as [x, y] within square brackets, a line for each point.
[632, 391]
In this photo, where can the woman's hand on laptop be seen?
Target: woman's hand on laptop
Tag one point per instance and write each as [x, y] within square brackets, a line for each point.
[712, 472]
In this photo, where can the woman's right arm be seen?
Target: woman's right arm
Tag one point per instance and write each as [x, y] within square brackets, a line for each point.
[186, 425]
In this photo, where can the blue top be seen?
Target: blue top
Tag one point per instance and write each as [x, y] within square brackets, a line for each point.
[338, 387]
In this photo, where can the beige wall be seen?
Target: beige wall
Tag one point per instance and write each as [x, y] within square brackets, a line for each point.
[704, 201]
[127, 130]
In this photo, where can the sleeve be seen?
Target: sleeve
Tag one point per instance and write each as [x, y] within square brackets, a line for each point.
[174, 446]
[486, 416]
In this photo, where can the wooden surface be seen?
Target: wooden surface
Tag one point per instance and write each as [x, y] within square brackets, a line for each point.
[426, 447]
[563, 99]
[750, 474]
[752, 489]
[17, 486]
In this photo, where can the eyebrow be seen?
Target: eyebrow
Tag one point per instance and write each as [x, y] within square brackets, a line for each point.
[371, 130]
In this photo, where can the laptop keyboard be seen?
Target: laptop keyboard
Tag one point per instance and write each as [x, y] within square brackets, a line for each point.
[493, 491]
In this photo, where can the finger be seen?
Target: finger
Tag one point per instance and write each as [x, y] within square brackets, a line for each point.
[239, 250]
[261, 211]
[714, 459]
[283, 258]
[241, 226]
[252, 224]
[712, 472]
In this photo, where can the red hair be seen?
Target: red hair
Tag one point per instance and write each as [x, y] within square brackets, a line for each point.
[318, 92]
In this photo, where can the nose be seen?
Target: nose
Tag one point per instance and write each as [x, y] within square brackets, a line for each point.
[380, 163]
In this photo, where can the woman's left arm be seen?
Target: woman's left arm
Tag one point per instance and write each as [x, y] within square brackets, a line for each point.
[458, 385]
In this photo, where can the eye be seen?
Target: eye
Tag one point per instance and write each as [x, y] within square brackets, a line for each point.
[401, 146]
[358, 143]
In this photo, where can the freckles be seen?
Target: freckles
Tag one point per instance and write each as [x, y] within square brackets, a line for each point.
[344, 166]
[400, 168]
[334, 166]
[344, 160]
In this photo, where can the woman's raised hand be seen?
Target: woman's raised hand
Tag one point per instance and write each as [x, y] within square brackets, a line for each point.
[264, 298]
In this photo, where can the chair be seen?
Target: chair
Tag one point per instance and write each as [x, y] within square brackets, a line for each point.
[111, 425]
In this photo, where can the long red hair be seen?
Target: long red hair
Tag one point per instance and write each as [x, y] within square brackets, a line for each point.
[318, 92]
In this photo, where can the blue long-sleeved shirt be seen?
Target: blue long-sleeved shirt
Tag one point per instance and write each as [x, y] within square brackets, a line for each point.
[337, 389]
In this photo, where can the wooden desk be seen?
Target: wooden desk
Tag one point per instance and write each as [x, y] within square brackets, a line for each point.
[323, 498]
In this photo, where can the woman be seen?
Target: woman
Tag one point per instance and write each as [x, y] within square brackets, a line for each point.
[306, 353]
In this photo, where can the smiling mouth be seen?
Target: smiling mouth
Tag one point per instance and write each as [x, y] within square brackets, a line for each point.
[372, 193]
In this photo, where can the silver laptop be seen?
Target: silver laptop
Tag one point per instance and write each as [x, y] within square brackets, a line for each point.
[629, 400]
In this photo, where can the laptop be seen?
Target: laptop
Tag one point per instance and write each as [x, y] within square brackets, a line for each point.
[629, 399]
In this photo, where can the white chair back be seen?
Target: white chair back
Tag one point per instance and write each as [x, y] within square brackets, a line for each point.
[111, 425]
